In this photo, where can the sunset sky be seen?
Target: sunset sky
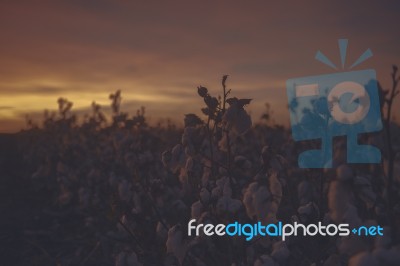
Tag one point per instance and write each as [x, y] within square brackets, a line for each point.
[158, 53]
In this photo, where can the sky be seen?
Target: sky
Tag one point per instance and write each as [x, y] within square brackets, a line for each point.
[157, 53]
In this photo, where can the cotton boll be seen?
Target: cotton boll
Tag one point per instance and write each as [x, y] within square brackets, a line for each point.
[280, 252]
[179, 206]
[175, 243]
[265, 260]
[177, 150]
[387, 256]
[304, 192]
[205, 177]
[124, 190]
[127, 259]
[197, 209]
[189, 150]
[248, 199]
[227, 190]
[145, 157]
[350, 245]
[170, 260]
[113, 180]
[229, 205]
[187, 135]
[363, 259]
[166, 158]
[351, 216]
[205, 218]
[258, 203]
[278, 163]
[183, 176]
[380, 209]
[295, 219]
[262, 203]
[216, 192]
[344, 172]
[161, 231]
[221, 182]
[137, 204]
[308, 212]
[364, 187]
[178, 157]
[84, 197]
[220, 186]
[205, 195]
[270, 218]
[242, 162]
[222, 171]
[265, 154]
[189, 164]
[223, 143]
[275, 188]
[339, 196]
[65, 195]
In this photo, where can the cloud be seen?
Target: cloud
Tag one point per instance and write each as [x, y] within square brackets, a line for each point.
[159, 53]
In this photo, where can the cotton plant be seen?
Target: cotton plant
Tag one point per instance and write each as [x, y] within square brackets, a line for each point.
[134, 188]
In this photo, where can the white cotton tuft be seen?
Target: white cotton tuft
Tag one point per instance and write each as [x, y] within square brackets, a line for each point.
[197, 209]
[259, 203]
[275, 187]
[205, 195]
[351, 216]
[339, 196]
[189, 164]
[161, 231]
[248, 199]
[175, 244]
[280, 252]
[227, 204]
[166, 158]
